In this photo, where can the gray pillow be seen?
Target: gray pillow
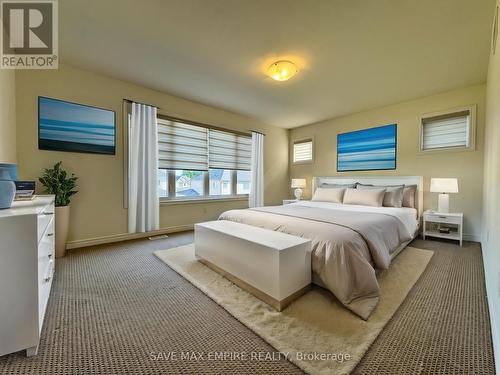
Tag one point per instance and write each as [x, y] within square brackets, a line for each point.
[393, 195]
[409, 193]
[326, 185]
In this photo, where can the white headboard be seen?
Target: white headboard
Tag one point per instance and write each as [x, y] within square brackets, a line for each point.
[378, 180]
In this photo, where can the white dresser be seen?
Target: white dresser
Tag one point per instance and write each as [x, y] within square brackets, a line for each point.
[26, 268]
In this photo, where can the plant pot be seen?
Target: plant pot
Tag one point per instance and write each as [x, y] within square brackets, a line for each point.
[62, 227]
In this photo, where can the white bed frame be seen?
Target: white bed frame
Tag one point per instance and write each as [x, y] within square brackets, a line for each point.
[379, 180]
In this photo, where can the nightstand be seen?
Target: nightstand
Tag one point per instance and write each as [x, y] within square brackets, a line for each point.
[434, 221]
[288, 201]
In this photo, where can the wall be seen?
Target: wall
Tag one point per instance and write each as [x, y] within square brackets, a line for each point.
[97, 210]
[491, 198]
[466, 165]
[7, 116]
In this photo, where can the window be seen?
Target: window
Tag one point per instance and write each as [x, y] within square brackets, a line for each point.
[303, 151]
[448, 131]
[220, 182]
[229, 151]
[189, 184]
[197, 162]
[162, 183]
[243, 182]
[182, 146]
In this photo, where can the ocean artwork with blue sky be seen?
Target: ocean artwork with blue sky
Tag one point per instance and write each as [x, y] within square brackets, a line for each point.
[65, 126]
[367, 149]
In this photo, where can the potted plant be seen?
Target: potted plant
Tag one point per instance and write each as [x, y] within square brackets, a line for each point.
[58, 182]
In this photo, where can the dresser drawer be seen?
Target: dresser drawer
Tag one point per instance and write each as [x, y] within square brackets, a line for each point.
[45, 275]
[443, 219]
[46, 244]
[43, 264]
[44, 219]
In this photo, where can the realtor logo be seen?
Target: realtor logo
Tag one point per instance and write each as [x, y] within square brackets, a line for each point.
[29, 34]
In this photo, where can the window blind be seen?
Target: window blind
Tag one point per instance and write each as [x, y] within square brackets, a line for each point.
[446, 131]
[302, 151]
[182, 146]
[229, 151]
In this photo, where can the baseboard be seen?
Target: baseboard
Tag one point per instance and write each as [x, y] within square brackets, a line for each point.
[494, 319]
[495, 334]
[125, 236]
[472, 238]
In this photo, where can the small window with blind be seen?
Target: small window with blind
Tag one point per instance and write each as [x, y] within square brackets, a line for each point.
[201, 162]
[303, 151]
[448, 131]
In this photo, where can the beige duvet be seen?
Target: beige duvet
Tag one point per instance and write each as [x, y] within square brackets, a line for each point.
[346, 246]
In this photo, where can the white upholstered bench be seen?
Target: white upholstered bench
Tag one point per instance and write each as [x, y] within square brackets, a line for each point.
[273, 266]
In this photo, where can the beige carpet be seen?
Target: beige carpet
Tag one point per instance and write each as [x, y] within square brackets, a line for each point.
[315, 332]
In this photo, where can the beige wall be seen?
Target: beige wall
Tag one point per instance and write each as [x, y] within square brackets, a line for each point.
[97, 210]
[465, 165]
[491, 219]
[7, 116]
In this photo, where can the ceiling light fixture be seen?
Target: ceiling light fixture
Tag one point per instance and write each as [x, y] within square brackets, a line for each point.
[282, 70]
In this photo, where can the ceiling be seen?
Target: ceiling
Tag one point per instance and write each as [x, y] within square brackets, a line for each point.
[353, 54]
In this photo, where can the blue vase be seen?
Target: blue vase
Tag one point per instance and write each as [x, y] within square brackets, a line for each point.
[7, 193]
[10, 169]
[8, 174]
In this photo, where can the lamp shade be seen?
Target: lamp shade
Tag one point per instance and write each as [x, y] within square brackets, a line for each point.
[444, 185]
[298, 183]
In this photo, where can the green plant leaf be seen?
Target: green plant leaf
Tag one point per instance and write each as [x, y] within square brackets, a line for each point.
[57, 182]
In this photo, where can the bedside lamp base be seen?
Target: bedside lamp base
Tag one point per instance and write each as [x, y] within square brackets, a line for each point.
[298, 194]
[444, 203]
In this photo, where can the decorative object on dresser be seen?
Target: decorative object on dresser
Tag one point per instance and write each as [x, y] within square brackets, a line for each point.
[298, 184]
[8, 174]
[57, 182]
[25, 190]
[443, 186]
[26, 270]
[289, 201]
[443, 225]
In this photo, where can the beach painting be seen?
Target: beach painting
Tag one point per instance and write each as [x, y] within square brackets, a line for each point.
[367, 149]
[72, 127]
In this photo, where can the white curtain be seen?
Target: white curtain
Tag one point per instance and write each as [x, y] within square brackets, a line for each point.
[256, 197]
[143, 202]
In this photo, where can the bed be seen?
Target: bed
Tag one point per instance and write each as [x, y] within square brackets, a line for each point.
[350, 243]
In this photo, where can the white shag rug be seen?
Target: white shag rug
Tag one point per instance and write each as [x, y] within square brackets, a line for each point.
[315, 332]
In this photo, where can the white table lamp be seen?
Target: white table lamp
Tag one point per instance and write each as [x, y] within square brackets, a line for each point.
[298, 184]
[443, 186]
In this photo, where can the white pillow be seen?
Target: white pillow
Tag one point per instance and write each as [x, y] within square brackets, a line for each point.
[365, 197]
[334, 195]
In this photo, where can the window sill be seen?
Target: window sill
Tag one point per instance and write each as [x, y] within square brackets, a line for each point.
[445, 150]
[303, 162]
[168, 202]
